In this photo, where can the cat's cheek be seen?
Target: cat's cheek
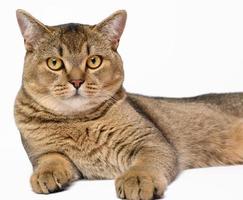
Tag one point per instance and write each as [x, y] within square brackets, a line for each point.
[86, 93]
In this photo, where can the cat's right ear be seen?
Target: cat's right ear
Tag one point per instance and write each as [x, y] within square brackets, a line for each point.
[32, 29]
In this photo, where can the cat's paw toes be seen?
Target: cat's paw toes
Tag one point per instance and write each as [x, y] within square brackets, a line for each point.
[48, 180]
[139, 186]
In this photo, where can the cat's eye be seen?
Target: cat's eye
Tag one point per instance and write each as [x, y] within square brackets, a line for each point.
[94, 62]
[55, 63]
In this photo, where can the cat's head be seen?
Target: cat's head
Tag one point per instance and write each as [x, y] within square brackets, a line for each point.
[72, 67]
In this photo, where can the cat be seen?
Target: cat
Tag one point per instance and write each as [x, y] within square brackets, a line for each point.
[77, 121]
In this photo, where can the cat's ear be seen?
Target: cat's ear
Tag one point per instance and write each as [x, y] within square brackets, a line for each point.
[113, 27]
[32, 29]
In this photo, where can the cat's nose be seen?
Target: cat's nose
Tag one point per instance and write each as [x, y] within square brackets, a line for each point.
[76, 83]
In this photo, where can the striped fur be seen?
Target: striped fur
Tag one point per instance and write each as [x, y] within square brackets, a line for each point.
[106, 133]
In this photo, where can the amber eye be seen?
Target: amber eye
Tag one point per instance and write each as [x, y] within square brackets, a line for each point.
[94, 62]
[55, 63]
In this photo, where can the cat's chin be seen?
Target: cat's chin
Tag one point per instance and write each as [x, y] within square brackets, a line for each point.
[72, 105]
[67, 106]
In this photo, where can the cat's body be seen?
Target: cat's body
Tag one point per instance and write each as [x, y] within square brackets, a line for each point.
[142, 142]
[210, 124]
[179, 121]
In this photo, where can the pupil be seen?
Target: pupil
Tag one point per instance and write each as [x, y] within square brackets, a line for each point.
[93, 60]
[54, 62]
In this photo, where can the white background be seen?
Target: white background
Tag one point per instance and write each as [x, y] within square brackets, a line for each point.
[170, 48]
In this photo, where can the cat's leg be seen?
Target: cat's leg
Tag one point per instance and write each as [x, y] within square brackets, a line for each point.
[52, 173]
[154, 167]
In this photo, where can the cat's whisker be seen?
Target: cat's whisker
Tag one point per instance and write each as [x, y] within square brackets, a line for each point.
[91, 88]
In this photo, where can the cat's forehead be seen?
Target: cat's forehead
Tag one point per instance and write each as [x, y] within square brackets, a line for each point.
[76, 37]
[72, 36]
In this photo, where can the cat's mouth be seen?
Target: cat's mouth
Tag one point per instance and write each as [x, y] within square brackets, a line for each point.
[77, 93]
[81, 93]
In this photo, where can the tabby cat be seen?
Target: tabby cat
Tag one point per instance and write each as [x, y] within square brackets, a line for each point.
[77, 121]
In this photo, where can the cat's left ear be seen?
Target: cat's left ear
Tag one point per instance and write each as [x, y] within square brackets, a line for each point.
[113, 26]
[32, 29]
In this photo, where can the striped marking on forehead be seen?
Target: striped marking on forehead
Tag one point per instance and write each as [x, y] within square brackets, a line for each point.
[60, 51]
[73, 37]
[74, 59]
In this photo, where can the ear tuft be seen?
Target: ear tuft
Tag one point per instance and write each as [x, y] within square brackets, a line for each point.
[31, 29]
[113, 26]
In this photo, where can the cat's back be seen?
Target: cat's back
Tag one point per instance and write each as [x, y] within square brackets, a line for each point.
[228, 103]
[190, 124]
[183, 120]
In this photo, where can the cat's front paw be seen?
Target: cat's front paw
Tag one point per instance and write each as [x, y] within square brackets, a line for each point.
[140, 185]
[45, 180]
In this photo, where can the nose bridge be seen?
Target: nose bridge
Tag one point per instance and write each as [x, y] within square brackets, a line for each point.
[76, 74]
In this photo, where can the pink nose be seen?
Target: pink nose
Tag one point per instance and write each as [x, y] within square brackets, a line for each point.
[76, 83]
